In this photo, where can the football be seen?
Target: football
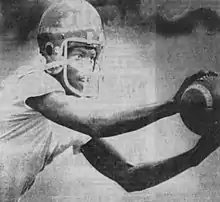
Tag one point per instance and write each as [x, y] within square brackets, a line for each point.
[200, 106]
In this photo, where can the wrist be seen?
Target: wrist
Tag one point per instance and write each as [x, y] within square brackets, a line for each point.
[204, 147]
[172, 106]
[165, 109]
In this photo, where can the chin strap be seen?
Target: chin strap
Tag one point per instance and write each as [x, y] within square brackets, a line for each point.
[91, 85]
[68, 85]
[56, 67]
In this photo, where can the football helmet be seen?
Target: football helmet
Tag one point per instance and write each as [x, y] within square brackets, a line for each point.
[66, 24]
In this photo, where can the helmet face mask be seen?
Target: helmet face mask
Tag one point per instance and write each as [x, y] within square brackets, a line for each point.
[66, 25]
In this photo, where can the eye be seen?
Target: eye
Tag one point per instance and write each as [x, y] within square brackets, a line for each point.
[93, 53]
[78, 57]
[92, 59]
[92, 56]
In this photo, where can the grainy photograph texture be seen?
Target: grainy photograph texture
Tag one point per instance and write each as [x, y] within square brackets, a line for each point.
[109, 100]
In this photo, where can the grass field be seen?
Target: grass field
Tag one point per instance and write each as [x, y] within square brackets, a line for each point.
[149, 69]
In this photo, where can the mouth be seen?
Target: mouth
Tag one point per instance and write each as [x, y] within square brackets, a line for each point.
[83, 79]
[80, 80]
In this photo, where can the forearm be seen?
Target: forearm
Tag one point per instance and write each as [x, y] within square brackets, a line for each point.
[132, 119]
[109, 120]
[99, 119]
[107, 161]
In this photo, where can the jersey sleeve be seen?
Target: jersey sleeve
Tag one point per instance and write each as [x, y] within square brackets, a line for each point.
[36, 84]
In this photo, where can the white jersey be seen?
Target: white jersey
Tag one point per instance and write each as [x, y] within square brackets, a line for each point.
[26, 138]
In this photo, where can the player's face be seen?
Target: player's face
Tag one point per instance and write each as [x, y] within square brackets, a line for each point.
[82, 58]
[80, 68]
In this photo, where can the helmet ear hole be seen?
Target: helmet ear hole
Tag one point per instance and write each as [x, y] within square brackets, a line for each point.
[49, 48]
[68, 26]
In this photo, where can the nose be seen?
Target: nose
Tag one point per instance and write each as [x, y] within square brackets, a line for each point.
[84, 65]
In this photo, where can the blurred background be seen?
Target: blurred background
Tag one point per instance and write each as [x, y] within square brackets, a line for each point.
[151, 47]
[20, 17]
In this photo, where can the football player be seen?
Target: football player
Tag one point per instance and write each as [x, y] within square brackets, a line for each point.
[71, 39]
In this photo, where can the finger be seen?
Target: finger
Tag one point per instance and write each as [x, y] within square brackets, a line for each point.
[193, 78]
[212, 73]
[198, 75]
[209, 74]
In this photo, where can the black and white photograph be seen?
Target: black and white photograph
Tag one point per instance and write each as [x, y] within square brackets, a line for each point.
[109, 100]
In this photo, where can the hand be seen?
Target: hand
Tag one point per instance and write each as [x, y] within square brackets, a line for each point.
[189, 80]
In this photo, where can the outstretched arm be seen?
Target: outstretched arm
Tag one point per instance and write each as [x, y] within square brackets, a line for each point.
[98, 119]
[102, 120]
[107, 161]
[131, 119]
